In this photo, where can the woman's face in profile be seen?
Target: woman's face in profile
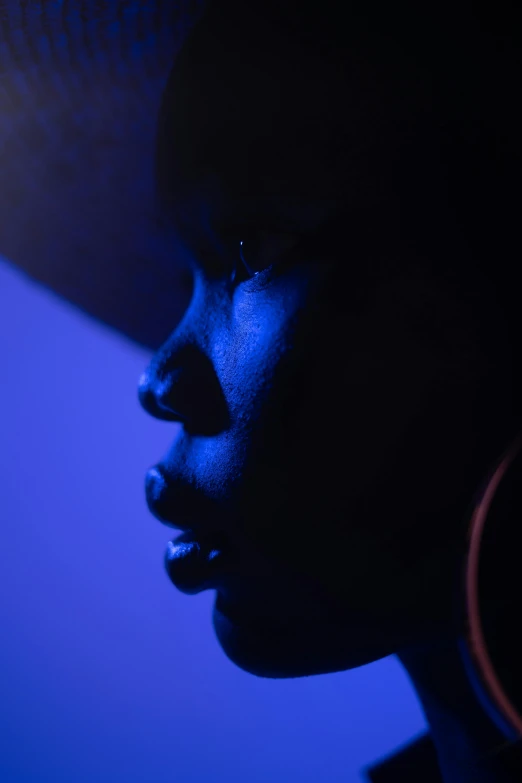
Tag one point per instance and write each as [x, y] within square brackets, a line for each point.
[327, 381]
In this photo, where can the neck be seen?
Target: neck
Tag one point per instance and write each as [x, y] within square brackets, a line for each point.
[467, 741]
[470, 746]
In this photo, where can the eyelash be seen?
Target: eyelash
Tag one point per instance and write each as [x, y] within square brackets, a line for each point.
[240, 263]
[231, 263]
[241, 276]
[284, 251]
[241, 256]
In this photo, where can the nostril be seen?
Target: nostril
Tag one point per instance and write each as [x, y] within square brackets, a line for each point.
[181, 386]
[154, 399]
[167, 394]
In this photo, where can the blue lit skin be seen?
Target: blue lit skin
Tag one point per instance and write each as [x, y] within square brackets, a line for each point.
[331, 413]
[336, 438]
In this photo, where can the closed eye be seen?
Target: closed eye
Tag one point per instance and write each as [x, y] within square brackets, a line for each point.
[261, 250]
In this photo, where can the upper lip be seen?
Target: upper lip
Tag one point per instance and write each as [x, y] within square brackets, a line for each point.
[174, 501]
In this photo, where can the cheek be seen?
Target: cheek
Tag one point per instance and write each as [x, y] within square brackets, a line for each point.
[392, 406]
[376, 435]
[255, 342]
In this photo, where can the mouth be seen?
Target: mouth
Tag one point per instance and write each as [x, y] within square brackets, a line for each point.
[170, 499]
[200, 558]
[196, 561]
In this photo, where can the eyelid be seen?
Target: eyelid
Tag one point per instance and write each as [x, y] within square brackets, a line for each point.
[293, 244]
[284, 241]
[329, 231]
[275, 249]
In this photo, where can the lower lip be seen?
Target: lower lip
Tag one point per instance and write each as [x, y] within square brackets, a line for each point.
[195, 563]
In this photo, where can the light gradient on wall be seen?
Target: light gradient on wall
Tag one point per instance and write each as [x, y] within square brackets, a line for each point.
[107, 673]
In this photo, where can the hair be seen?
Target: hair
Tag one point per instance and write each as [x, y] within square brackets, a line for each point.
[467, 57]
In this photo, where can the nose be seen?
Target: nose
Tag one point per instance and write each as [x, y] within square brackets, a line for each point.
[156, 396]
[180, 384]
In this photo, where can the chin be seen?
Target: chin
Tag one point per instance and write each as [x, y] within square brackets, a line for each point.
[273, 651]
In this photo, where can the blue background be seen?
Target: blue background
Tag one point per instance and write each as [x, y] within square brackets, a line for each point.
[108, 673]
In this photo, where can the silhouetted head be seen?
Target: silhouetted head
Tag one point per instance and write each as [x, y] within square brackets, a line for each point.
[346, 375]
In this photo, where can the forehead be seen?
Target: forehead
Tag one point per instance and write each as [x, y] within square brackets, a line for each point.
[255, 128]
